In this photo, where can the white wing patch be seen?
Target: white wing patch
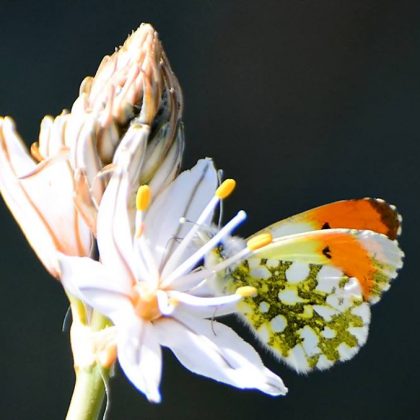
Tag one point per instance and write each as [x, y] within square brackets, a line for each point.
[309, 315]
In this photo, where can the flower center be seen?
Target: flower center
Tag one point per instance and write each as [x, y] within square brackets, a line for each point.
[145, 302]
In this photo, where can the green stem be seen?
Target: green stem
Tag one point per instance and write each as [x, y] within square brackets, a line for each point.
[89, 390]
[88, 395]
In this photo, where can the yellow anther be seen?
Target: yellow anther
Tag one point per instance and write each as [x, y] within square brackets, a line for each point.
[246, 291]
[259, 241]
[225, 189]
[143, 197]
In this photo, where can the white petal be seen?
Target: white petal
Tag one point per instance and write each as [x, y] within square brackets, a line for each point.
[115, 225]
[186, 197]
[211, 349]
[130, 153]
[114, 228]
[140, 356]
[91, 282]
[202, 307]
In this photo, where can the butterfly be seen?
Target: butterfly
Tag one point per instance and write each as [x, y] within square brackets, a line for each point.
[316, 280]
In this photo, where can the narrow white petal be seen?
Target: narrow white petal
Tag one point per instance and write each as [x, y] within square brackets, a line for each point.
[203, 307]
[114, 228]
[211, 349]
[190, 281]
[91, 282]
[140, 356]
[115, 223]
[185, 198]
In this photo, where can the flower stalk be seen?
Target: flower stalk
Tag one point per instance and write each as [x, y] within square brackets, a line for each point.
[93, 353]
[88, 395]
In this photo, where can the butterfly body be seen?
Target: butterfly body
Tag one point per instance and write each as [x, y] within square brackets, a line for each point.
[317, 280]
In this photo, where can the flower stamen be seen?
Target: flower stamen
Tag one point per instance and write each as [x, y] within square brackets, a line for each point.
[222, 192]
[252, 245]
[190, 262]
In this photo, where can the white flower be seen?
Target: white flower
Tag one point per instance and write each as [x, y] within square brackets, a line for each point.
[148, 275]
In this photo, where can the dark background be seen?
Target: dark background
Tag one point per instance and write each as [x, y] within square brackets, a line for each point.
[303, 102]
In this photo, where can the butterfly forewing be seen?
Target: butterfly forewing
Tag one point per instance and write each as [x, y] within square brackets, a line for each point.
[362, 214]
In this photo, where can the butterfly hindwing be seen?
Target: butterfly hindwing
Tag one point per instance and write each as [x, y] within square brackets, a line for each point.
[313, 293]
[309, 315]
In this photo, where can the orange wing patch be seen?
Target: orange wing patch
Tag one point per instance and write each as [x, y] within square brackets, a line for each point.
[361, 214]
[370, 257]
[348, 253]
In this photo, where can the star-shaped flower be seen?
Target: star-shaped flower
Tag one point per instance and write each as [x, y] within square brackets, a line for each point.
[149, 272]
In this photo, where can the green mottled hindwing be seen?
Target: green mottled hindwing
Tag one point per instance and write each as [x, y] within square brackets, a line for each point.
[309, 315]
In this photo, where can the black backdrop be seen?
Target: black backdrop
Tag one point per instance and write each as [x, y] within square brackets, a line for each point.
[303, 102]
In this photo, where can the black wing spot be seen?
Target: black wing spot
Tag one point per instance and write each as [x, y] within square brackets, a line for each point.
[326, 225]
[327, 252]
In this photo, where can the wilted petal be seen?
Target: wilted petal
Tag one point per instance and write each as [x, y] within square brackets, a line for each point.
[211, 349]
[83, 200]
[45, 136]
[41, 200]
[80, 135]
[140, 356]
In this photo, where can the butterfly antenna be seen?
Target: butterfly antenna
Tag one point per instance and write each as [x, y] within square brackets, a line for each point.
[168, 245]
[66, 320]
[212, 321]
[219, 221]
[107, 395]
[220, 180]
